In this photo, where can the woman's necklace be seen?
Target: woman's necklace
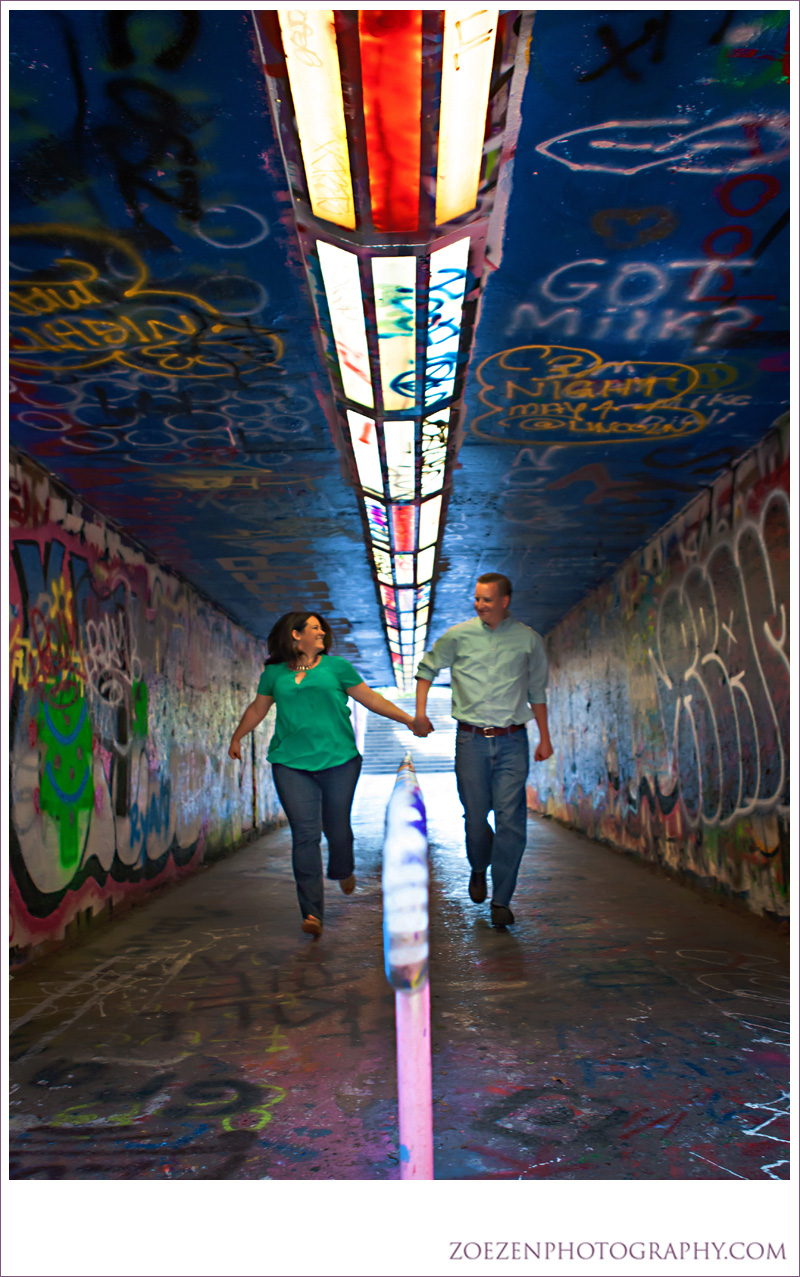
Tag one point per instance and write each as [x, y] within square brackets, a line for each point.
[310, 666]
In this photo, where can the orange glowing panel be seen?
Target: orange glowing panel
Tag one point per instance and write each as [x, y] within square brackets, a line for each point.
[391, 79]
[403, 527]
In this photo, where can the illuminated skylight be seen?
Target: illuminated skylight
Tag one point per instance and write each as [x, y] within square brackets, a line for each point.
[343, 291]
[434, 452]
[312, 61]
[425, 560]
[378, 521]
[365, 447]
[383, 564]
[404, 569]
[429, 521]
[445, 302]
[403, 529]
[391, 83]
[398, 438]
[469, 37]
[394, 279]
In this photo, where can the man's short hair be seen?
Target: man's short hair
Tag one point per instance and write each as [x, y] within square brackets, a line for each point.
[503, 583]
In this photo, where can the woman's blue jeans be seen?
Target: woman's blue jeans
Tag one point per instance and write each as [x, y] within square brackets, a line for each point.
[491, 772]
[316, 803]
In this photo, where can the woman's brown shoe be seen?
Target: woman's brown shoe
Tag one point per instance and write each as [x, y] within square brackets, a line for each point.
[348, 885]
[312, 926]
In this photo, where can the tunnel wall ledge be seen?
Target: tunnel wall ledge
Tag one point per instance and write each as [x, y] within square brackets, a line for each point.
[669, 694]
[126, 683]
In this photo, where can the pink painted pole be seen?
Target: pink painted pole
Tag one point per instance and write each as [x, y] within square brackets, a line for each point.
[405, 944]
[415, 1105]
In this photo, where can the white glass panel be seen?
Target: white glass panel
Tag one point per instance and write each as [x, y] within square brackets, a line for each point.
[429, 521]
[434, 452]
[422, 615]
[343, 290]
[445, 301]
[404, 569]
[406, 620]
[365, 447]
[395, 281]
[425, 564]
[469, 36]
[383, 564]
[405, 600]
[378, 521]
[398, 438]
[312, 62]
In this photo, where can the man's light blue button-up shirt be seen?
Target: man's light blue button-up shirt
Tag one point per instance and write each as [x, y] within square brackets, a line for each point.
[494, 673]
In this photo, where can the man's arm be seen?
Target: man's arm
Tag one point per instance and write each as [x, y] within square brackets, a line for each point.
[537, 682]
[545, 747]
[438, 658]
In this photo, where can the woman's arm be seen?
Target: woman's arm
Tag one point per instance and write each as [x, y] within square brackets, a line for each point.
[252, 716]
[379, 705]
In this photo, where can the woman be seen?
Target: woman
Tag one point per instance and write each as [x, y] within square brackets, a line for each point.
[315, 762]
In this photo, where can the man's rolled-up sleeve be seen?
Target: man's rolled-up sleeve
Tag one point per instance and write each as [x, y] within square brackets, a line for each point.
[537, 674]
[440, 657]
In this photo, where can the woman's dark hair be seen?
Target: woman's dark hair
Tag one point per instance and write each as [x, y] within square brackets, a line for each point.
[282, 649]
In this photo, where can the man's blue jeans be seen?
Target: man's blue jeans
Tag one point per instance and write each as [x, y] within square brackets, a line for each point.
[316, 803]
[491, 772]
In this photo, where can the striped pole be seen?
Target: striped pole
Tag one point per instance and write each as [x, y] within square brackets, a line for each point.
[405, 949]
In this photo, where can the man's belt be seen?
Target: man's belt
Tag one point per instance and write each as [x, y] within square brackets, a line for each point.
[492, 731]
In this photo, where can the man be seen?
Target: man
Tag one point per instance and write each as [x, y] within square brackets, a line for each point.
[498, 668]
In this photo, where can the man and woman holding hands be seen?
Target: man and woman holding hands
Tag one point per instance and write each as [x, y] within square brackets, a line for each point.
[498, 672]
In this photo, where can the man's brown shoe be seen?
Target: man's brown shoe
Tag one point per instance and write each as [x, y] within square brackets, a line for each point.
[312, 926]
[477, 887]
[502, 916]
[348, 885]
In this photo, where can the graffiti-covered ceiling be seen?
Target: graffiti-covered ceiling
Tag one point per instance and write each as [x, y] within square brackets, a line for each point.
[339, 308]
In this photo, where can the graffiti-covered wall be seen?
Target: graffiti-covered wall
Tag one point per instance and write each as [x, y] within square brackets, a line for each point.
[669, 693]
[125, 687]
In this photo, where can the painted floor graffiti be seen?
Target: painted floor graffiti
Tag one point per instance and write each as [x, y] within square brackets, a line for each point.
[624, 1029]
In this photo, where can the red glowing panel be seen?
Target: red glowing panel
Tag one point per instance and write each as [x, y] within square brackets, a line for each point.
[403, 527]
[391, 79]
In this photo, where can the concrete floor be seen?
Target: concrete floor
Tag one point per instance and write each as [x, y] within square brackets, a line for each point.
[624, 1029]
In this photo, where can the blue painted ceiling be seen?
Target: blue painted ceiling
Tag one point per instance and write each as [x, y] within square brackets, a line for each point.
[631, 335]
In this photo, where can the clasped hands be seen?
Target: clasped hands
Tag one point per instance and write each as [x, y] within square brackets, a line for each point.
[421, 726]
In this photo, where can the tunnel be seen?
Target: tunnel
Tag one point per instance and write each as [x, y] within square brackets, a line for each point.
[334, 312]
